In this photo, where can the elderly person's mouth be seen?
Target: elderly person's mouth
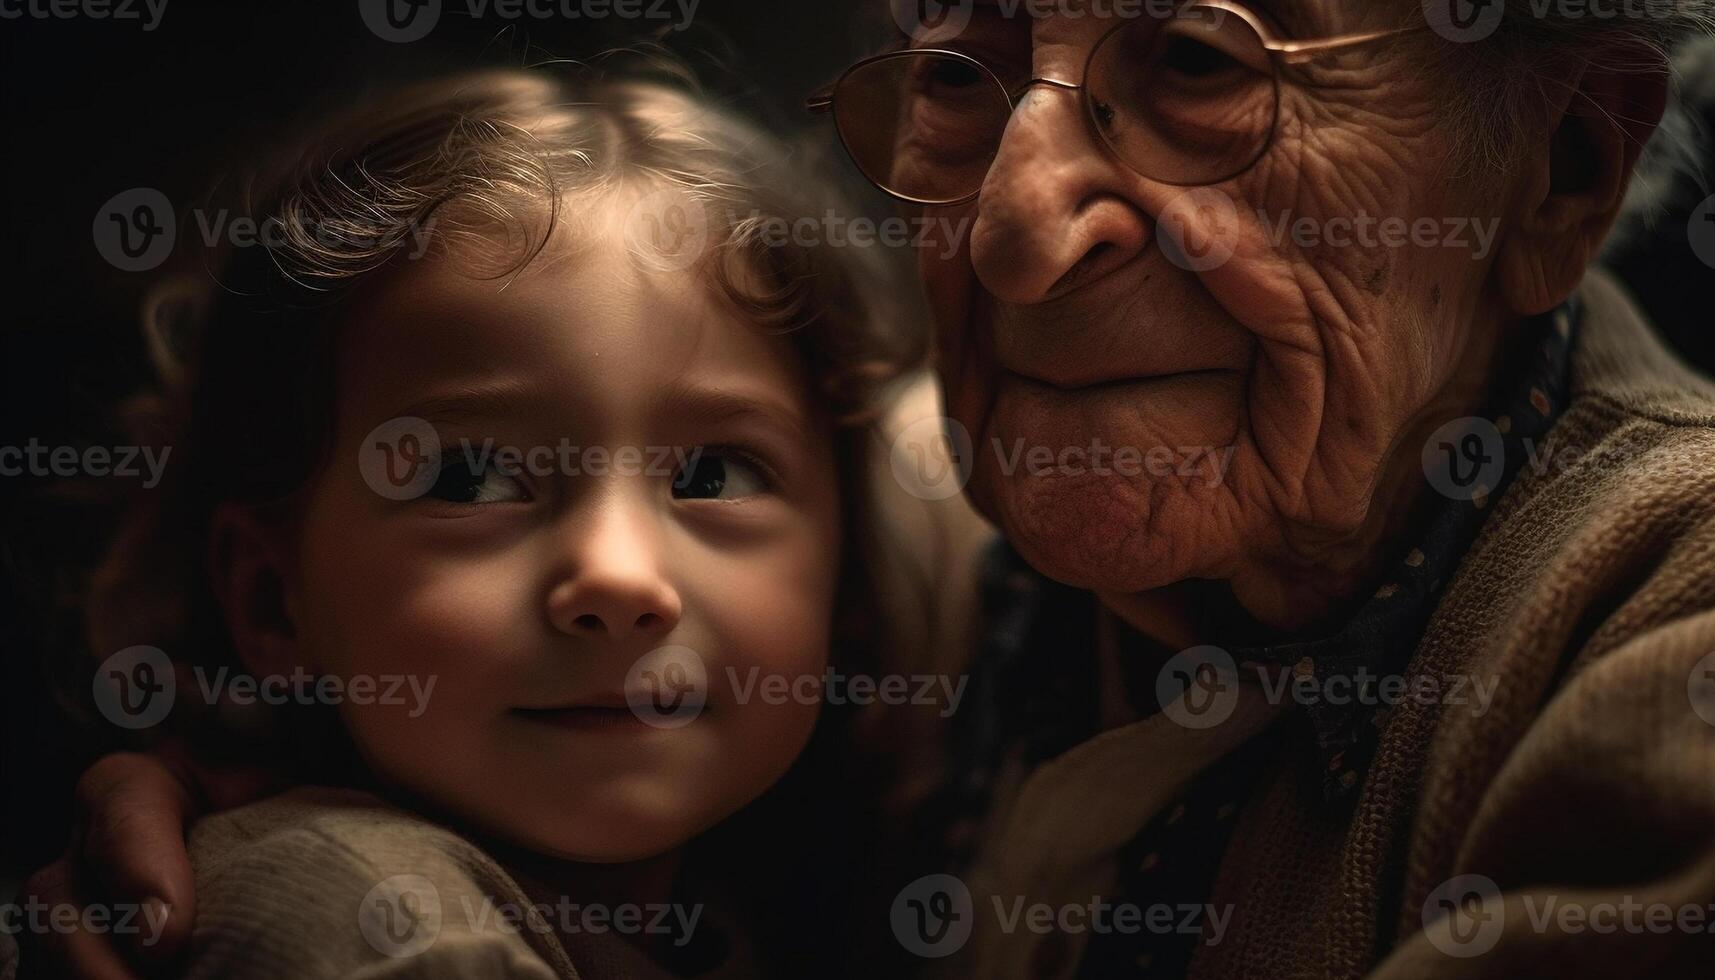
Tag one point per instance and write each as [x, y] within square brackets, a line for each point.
[1124, 331]
[1197, 406]
[1101, 383]
[1200, 407]
[1156, 372]
[1109, 354]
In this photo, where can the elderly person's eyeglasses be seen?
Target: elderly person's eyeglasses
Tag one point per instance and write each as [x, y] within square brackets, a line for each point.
[1190, 99]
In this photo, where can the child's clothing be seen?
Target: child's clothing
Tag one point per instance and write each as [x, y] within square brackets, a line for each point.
[322, 882]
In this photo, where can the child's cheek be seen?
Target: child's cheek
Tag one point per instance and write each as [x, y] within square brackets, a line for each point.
[439, 643]
[769, 617]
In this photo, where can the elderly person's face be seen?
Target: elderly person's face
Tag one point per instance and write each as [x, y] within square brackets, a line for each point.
[1321, 365]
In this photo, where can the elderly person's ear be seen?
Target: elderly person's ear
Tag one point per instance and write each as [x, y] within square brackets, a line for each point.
[1575, 180]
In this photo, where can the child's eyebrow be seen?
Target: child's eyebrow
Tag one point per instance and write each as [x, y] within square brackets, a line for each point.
[710, 404]
[467, 400]
[483, 399]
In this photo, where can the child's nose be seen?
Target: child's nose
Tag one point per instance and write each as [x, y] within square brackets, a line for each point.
[615, 603]
[616, 587]
[615, 612]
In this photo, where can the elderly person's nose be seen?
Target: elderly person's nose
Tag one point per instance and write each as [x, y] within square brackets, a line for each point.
[1052, 212]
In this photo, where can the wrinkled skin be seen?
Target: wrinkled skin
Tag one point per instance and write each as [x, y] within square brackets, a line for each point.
[1062, 320]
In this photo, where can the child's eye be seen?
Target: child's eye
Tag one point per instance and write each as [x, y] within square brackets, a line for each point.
[462, 481]
[720, 474]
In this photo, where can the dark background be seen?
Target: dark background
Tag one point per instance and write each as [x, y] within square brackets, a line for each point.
[93, 107]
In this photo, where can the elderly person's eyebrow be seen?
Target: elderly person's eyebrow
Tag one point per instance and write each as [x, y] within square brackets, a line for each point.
[1292, 16]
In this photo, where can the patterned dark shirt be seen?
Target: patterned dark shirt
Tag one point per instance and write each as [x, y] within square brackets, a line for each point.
[1034, 690]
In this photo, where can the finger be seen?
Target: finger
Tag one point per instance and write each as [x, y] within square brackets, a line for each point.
[222, 786]
[135, 812]
[63, 946]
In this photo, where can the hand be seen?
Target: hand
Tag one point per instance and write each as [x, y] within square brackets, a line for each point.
[127, 852]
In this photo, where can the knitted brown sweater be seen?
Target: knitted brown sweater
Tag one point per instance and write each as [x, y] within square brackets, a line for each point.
[1565, 828]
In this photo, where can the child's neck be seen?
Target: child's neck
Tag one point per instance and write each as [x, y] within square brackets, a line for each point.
[544, 877]
[649, 881]
[647, 886]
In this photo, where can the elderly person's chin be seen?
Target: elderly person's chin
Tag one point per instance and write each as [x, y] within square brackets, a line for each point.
[1118, 486]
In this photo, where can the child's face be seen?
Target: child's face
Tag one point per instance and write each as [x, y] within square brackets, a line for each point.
[529, 599]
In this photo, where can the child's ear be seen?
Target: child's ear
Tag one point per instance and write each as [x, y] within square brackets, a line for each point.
[253, 584]
[1576, 181]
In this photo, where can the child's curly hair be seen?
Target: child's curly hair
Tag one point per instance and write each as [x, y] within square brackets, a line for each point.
[491, 162]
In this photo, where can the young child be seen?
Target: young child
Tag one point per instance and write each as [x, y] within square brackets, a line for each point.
[517, 439]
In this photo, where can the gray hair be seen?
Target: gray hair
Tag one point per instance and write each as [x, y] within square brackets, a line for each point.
[1526, 57]
[1674, 172]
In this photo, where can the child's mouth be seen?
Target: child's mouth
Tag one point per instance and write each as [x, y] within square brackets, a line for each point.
[588, 718]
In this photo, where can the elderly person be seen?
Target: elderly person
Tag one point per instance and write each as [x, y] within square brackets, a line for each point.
[1430, 652]
[1358, 606]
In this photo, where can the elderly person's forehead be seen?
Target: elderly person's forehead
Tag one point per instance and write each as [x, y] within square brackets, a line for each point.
[1297, 17]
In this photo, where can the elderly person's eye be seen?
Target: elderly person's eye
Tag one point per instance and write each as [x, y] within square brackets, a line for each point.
[953, 74]
[944, 81]
[1202, 88]
[1201, 53]
[1194, 58]
[952, 106]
